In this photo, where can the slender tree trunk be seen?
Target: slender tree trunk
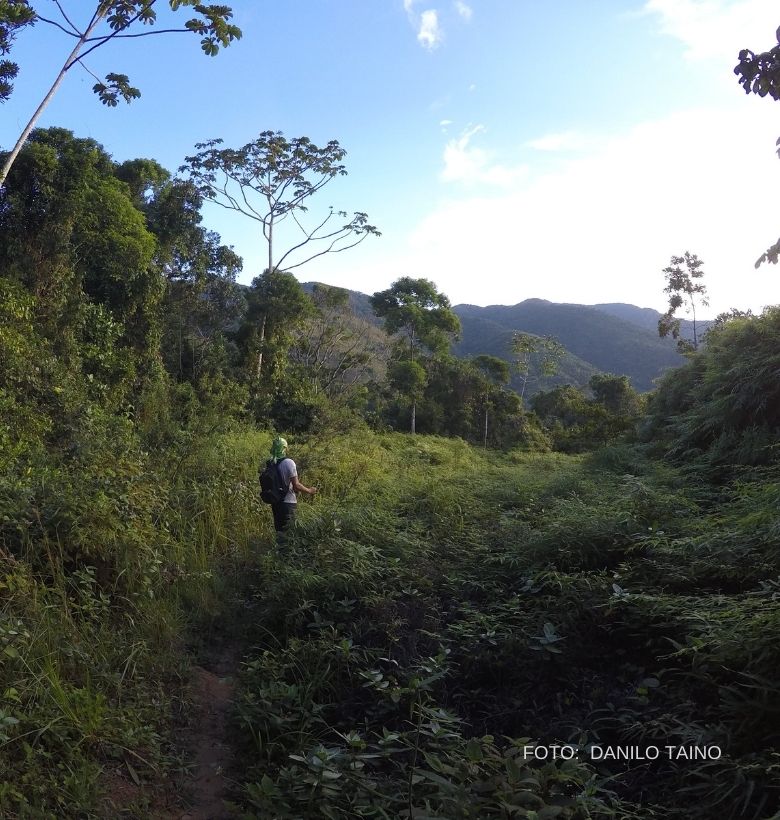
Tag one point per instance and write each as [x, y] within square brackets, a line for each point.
[414, 400]
[270, 248]
[695, 337]
[9, 161]
[262, 325]
[260, 352]
[486, 425]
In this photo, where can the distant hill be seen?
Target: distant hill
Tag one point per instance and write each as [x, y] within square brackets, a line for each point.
[480, 335]
[647, 318]
[606, 342]
[613, 338]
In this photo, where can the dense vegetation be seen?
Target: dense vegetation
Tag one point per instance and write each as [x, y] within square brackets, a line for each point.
[440, 616]
[594, 569]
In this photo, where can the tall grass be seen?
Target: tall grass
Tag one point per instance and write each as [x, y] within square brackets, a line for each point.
[98, 600]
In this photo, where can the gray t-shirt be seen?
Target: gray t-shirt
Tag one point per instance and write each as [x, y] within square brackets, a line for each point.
[288, 471]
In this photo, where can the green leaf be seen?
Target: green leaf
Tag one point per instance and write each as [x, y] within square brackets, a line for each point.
[133, 774]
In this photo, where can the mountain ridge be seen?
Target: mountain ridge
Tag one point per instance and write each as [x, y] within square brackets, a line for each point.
[614, 338]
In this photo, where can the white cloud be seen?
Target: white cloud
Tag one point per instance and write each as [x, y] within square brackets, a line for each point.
[430, 34]
[565, 141]
[466, 163]
[463, 10]
[717, 28]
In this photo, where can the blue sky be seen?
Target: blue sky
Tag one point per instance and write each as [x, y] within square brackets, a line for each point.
[506, 149]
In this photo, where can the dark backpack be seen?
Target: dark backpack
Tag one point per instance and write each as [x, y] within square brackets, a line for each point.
[272, 487]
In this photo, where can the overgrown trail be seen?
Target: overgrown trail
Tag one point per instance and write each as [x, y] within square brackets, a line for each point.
[206, 739]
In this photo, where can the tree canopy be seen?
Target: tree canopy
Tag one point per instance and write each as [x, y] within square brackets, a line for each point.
[14, 16]
[416, 310]
[270, 181]
[545, 352]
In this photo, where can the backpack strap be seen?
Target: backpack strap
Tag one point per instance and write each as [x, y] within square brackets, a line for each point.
[279, 473]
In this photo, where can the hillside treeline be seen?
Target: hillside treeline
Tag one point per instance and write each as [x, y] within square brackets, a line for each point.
[139, 389]
[133, 308]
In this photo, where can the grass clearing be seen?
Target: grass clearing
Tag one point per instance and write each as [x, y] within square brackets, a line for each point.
[408, 651]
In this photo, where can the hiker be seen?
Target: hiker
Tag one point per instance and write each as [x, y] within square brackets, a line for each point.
[284, 510]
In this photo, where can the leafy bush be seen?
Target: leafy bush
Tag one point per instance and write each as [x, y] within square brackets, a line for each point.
[723, 407]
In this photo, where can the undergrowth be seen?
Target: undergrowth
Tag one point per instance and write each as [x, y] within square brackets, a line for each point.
[440, 612]
[440, 616]
[110, 562]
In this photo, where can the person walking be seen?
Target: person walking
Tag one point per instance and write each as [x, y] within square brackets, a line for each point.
[284, 510]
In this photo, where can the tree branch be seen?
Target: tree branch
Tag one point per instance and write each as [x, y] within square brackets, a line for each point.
[67, 19]
[329, 249]
[108, 37]
[54, 23]
[140, 34]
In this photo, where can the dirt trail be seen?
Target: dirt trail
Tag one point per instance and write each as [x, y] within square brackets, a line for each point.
[206, 739]
[198, 794]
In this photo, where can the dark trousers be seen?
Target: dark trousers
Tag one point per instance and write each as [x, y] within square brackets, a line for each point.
[284, 515]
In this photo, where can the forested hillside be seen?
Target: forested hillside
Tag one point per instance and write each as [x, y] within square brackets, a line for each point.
[624, 342]
[605, 342]
[647, 318]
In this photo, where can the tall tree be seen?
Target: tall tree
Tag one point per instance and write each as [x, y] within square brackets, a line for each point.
[271, 180]
[201, 297]
[542, 353]
[496, 371]
[96, 292]
[422, 316]
[684, 291]
[109, 20]
[276, 305]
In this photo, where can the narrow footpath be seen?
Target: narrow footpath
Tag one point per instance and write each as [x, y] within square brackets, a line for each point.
[205, 740]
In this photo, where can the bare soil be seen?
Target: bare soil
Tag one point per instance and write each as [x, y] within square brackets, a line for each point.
[200, 792]
[206, 740]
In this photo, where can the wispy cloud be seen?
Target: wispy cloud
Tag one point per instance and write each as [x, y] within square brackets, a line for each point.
[601, 227]
[464, 10]
[466, 163]
[427, 23]
[716, 28]
[564, 141]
